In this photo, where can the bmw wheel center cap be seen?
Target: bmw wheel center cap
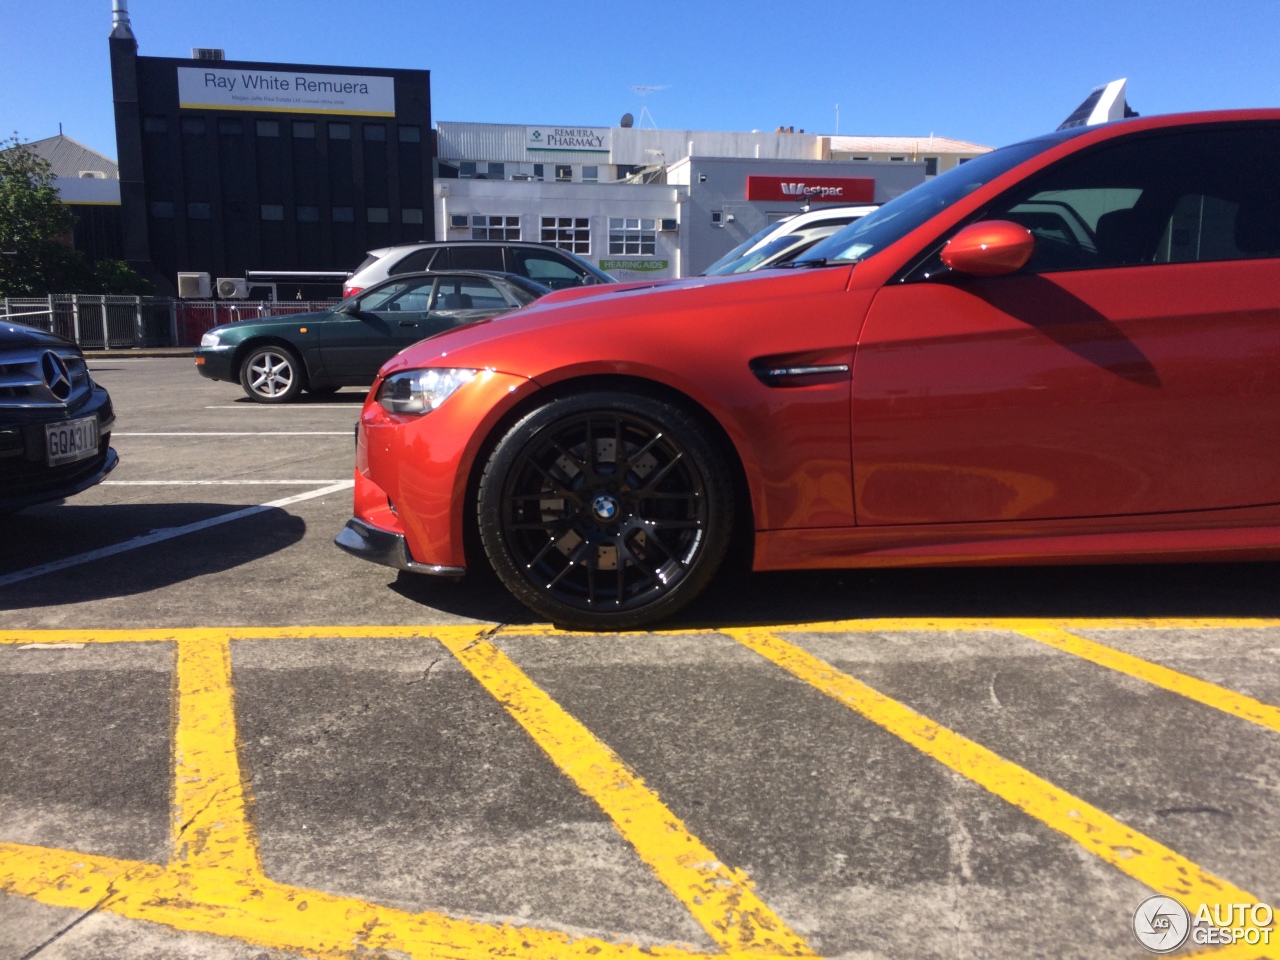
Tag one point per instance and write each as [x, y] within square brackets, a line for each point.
[605, 508]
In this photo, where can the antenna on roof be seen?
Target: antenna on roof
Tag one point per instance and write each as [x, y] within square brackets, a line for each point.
[644, 107]
[1104, 104]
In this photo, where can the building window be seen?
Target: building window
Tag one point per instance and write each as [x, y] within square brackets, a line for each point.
[229, 127]
[930, 166]
[308, 214]
[495, 228]
[304, 129]
[411, 215]
[410, 134]
[375, 131]
[568, 233]
[199, 211]
[193, 125]
[965, 159]
[467, 170]
[564, 173]
[161, 209]
[590, 174]
[155, 125]
[497, 171]
[268, 128]
[897, 158]
[339, 131]
[377, 215]
[273, 211]
[538, 171]
[458, 221]
[344, 214]
[627, 169]
[630, 236]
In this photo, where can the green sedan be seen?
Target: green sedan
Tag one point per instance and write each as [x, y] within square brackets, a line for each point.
[276, 358]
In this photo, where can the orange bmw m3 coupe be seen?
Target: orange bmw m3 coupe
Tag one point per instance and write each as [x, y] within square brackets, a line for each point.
[1064, 351]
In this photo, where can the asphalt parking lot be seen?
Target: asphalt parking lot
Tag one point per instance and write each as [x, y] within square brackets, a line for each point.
[222, 737]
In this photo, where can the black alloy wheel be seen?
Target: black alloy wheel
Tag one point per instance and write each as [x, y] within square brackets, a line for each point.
[606, 510]
[272, 374]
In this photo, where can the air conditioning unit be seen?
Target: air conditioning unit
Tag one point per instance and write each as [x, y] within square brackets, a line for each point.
[194, 286]
[233, 288]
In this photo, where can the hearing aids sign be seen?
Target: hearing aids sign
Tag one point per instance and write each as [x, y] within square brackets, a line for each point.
[277, 91]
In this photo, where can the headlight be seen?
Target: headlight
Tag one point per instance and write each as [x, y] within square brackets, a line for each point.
[421, 391]
[210, 339]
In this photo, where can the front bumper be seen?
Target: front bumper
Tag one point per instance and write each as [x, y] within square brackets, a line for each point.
[215, 362]
[25, 477]
[387, 548]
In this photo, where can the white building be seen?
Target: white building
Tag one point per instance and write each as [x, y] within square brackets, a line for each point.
[651, 203]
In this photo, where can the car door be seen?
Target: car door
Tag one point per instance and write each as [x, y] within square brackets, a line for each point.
[1132, 367]
[460, 299]
[379, 325]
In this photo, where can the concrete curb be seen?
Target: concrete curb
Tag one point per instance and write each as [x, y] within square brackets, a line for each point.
[132, 353]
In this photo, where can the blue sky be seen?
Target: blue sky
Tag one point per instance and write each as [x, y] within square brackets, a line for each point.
[990, 72]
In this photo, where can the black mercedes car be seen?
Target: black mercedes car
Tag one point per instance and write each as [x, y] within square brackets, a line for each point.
[276, 358]
[55, 422]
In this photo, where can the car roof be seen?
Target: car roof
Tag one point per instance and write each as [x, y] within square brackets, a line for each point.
[416, 244]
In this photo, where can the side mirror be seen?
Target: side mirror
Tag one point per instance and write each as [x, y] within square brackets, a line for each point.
[350, 307]
[989, 248]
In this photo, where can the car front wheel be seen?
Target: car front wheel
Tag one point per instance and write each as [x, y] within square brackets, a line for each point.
[271, 374]
[606, 510]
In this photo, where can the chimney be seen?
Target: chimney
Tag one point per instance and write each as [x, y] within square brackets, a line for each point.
[120, 29]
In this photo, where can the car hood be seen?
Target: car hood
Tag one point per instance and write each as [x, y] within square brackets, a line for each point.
[611, 325]
[19, 335]
[268, 324]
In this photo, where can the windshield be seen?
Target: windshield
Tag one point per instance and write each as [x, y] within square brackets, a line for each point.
[903, 214]
[740, 249]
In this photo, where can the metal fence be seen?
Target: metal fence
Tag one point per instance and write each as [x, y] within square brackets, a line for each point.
[193, 317]
[97, 321]
[107, 322]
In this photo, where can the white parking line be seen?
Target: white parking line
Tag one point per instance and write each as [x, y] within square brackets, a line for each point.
[168, 533]
[255, 433]
[214, 483]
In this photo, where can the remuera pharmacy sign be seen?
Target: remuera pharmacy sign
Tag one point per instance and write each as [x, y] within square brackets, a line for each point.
[568, 139]
[214, 88]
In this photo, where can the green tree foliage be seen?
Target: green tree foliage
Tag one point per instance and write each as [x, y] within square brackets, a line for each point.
[34, 225]
[35, 236]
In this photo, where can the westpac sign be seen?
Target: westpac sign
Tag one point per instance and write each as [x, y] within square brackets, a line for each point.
[821, 189]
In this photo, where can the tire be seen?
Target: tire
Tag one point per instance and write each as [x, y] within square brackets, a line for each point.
[590, 540]
[272, 374]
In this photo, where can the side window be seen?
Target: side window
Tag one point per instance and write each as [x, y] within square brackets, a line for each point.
[414, 262]
[1191, 196]
[478, 257]
[468, 293]
[553, 272]
[404, 296]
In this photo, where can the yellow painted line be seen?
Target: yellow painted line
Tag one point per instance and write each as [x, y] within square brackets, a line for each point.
[218, 634]
[719, 897]
[280, 917]
[214, 881]
[1136, 855]
[209, 826]
[389, 631]
[1193, 688]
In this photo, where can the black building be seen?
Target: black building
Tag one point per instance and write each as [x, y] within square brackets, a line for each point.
[229, 166]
